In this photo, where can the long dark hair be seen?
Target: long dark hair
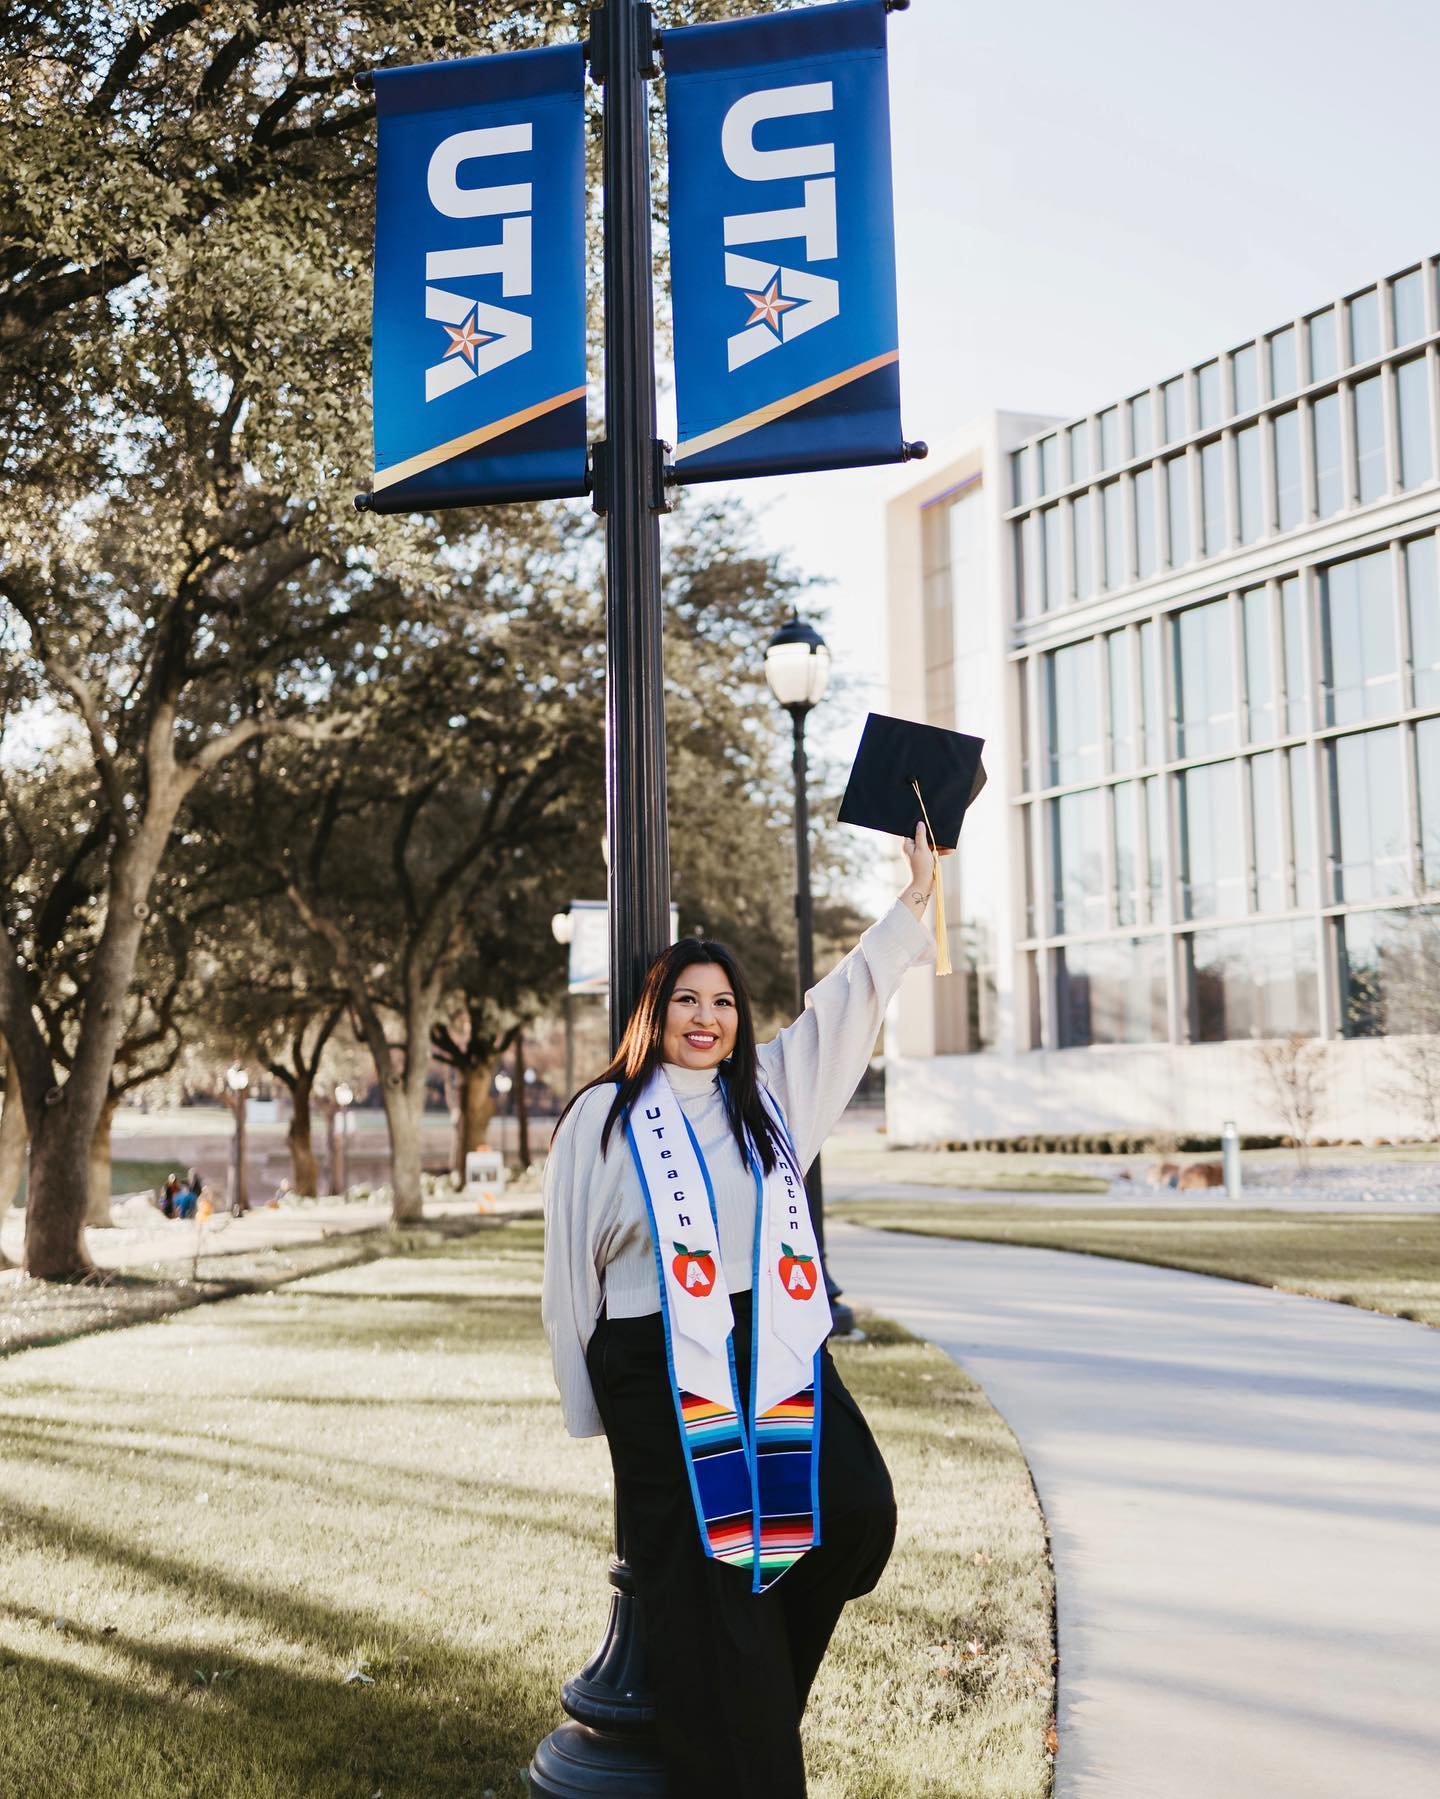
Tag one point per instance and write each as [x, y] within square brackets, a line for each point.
[641, 1051]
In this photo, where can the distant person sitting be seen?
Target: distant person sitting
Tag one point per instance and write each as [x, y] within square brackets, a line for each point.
[186, 1199]
[167, 1195]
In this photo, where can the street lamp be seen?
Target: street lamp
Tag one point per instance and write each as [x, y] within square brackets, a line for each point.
[503, 1084]
[562, 929]
[797, 666]
[237, 1079]
[344, 1099]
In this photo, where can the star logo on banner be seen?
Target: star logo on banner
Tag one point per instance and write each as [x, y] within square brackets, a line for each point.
[466, 338]
[769, 306]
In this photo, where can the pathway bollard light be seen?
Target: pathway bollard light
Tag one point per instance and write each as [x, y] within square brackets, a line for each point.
[237, 1079]
[344, 1099]
[797, 667]
[1230, 1152]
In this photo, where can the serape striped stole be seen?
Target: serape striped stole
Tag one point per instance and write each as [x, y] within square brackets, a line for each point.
[754, 1480]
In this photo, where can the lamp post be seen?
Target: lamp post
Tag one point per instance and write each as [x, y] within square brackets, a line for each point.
[503, 1084]
[797, 667]
[237, 1079]
[344, 1099]
[562, 929]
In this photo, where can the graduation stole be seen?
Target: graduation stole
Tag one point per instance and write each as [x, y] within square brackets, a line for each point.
[755, 1478]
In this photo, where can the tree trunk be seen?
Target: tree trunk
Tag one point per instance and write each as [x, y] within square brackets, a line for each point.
[57, 1196]
[402, 1117]
[522, 1104]
[477, 1108]
[304, 1170]
[13, 1139]
[97, 1211]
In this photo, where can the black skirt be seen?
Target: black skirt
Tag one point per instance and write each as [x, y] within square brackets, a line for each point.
[730, 1669]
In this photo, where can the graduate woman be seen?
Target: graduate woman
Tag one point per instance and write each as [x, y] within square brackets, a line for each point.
[686, 1310]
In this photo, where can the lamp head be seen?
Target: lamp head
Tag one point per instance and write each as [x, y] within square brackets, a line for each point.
[344, 1094]
[237, 1079]
[797, 665]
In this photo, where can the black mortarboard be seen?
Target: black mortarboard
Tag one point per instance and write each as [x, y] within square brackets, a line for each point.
[896, 756]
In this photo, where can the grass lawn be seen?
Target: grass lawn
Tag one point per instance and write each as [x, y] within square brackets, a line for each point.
[332, 1540]
[981, 1171]
[1382, 1263]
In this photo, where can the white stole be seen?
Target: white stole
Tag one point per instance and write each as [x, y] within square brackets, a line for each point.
[791, 1309]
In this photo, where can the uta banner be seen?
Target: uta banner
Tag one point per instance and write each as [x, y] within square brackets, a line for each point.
[782, 243]
[479, 324]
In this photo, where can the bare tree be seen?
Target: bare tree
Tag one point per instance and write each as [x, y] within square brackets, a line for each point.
[1295, 1068]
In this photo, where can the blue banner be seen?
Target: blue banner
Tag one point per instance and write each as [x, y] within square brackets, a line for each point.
[479, 331]
[782, 243]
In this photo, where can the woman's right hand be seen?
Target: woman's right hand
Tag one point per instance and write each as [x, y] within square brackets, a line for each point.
[918, 853]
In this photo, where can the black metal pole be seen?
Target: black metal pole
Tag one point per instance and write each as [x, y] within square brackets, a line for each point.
[606, 1749]
[805, 980]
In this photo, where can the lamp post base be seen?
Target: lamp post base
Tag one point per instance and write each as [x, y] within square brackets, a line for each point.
[606, 1751]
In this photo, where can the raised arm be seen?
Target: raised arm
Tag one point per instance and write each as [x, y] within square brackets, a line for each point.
[815, 1064]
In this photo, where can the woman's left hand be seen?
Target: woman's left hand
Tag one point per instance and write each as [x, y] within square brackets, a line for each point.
[921, 858]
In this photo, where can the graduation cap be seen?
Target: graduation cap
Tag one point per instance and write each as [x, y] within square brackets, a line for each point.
[905, 773]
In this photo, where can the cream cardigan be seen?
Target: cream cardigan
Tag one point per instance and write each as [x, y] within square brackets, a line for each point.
[597, 1232]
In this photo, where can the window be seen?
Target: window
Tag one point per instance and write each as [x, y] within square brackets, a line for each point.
[1049, 465]
[1423, 593]
[1110, 992]
[1412, 398]
[1022, 673]
[1054, 566]
[1211, 873]
[1364, 311]
[1079, 439]
[1142, 425]
[1020, 478]
[1324, 348]
[1302, 825]
[1407, 308]
[1110, 456]
[1369, 440]
[1267, 834]
[1150, 693]
[1127, 897]
[1177, 505]
[1146, 554]
[1292, 617]
[1245, 379]
[1212, 499]
[1155, 847]
[1362, 667]
[1207, 395]
[1205, 678]
[1284, 377]
[1368, 816]
[1028, 571]
[1172, 404]
[1122, 703]
[1112, 517]
[1074, 714]
[1252, 981]
[1261, 715]
[1082, 531]
[1247, 472]
[1387, 982]
[1427, 781]
[1078, 824]
[1289, 491]
[1329, 483]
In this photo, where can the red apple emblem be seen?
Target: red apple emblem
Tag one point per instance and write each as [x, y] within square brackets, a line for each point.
[797, 1273]
[694, 1269]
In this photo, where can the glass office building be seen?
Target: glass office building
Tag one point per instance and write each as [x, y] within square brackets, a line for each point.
[1200, 629]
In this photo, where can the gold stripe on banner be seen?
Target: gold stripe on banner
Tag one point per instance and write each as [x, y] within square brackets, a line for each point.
[752, 421]
[457, 446]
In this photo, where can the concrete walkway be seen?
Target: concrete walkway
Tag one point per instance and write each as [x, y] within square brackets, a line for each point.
[1243, 1493]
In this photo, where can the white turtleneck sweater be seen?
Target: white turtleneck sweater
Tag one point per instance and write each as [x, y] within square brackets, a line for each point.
[597, 1230]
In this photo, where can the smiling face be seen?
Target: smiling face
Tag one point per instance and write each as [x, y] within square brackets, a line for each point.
[702, 1018]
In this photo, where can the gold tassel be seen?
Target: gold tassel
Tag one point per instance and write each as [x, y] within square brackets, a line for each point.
[942, 936]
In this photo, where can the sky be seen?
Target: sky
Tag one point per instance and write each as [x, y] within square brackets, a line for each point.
[1089, 198]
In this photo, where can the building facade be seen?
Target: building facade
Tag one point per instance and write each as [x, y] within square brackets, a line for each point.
[1200, 630]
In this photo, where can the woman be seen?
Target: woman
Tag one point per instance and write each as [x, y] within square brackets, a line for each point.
[683, 1301]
